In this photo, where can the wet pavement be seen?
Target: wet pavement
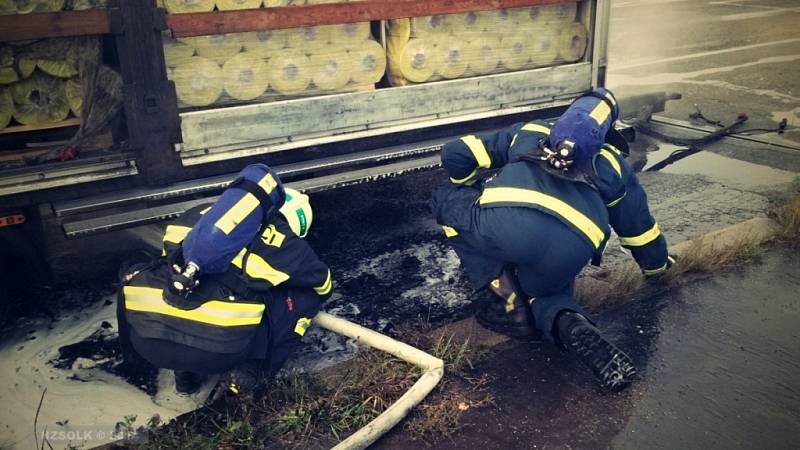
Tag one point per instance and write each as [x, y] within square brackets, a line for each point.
[719, 365]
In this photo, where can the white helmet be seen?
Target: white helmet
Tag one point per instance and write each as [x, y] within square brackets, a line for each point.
[297, 211]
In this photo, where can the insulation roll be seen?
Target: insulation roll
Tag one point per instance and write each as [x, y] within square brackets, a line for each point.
[369, 63]
[74, 92]
[430, 26]
[265, 43]
[8, 74]
[7, 7]
[500, 21]
[274, 3]
[188, 6]
[565, 12]
[350, 33]
[468, 23]
[483, 57]
[81, 5]
[217, 47]
[30, 6]
[39, 99]
[56, 68]
[310, 39]
[245, 76]
[572, 41]
[544, 47]
[26, 67]
[562, 12]
[420, 59]
[6, 107]
[198, 82]
[515, 51]
[229, 5]
[454, 58]
[288, 72]
[176, 53]
[331, 71]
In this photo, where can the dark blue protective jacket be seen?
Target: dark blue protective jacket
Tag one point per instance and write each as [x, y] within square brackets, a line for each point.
[613, 198]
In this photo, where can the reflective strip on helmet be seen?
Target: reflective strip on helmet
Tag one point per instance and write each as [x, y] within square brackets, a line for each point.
[642, 239]
[466, 179]
[600, 112]
[213, 312]
[615, 202]
[478, 151]
[570, 214]
[238, 212]
[612, 160]
[175, 234]
[449, 231]
[326, 287]
[302, 326]
[260, 269]
[535, 127]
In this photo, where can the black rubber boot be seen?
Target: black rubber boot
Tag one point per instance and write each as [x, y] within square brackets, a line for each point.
[245, 379]
[613, 369]
[506, 311]
[188, 383]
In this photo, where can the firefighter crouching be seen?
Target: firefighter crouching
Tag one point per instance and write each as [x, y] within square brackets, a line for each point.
[234, 290]
[527, 232]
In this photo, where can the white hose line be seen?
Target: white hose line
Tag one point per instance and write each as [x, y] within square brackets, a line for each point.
[433, 367]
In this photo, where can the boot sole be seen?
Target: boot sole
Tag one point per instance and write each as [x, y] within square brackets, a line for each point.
[515, 331]
[613, 369]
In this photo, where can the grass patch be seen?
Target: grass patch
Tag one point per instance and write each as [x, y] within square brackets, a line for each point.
[788, 218]
[310, 411]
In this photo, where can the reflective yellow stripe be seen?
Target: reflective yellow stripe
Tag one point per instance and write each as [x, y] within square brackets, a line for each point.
[271, 236]
[237, 213]
[326, 287]
[213, 312]
[514, 139]
[449, 232]
[466, 179]
[203, 212]
[642, 239]
[613, 149]
[600, 112]
[535, 127]
[244, 206]
[612, 160]
[572, 215]
[302, 325]
[176, 233]
[614, 203]
[478, 151]
[258, 268]
[655, 271]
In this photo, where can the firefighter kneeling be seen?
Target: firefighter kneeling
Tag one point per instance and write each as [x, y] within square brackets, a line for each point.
[234, 290]
[527, 232]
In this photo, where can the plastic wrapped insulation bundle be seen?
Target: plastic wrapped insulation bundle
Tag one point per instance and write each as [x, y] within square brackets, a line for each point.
[240, 213]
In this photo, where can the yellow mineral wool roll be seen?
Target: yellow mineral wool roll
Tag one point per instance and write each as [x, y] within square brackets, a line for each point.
[265, 43]
[430, 26]
[468, 23]
[454, 58]
[57, 68]
[565, 12]
[369, 63]
[310, 39]
[8, 74]
[188, 6]
[350, 33]
[6, 107]
[500, 22]
[515, 51]
[274, 3]
[228, 5]
[331, 71]
[40, 99]
[289, 72]
[420, 59]
[31, 6]
[572, 41]
[198, 81]
[543, 47]
[176, 53]
[217, 47]
[483, 56]
[8, 7]
[74, 91]
[245, 76]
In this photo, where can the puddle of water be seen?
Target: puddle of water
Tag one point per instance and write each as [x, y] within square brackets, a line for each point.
[723, 365]
[721, 169]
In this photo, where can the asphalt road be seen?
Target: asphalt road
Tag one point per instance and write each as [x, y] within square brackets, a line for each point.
[725, 56]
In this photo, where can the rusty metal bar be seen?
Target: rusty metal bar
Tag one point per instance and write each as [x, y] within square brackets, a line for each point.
[20, 27]
[219, 22]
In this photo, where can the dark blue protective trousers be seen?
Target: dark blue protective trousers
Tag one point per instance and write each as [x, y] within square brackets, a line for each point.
[547, 254]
